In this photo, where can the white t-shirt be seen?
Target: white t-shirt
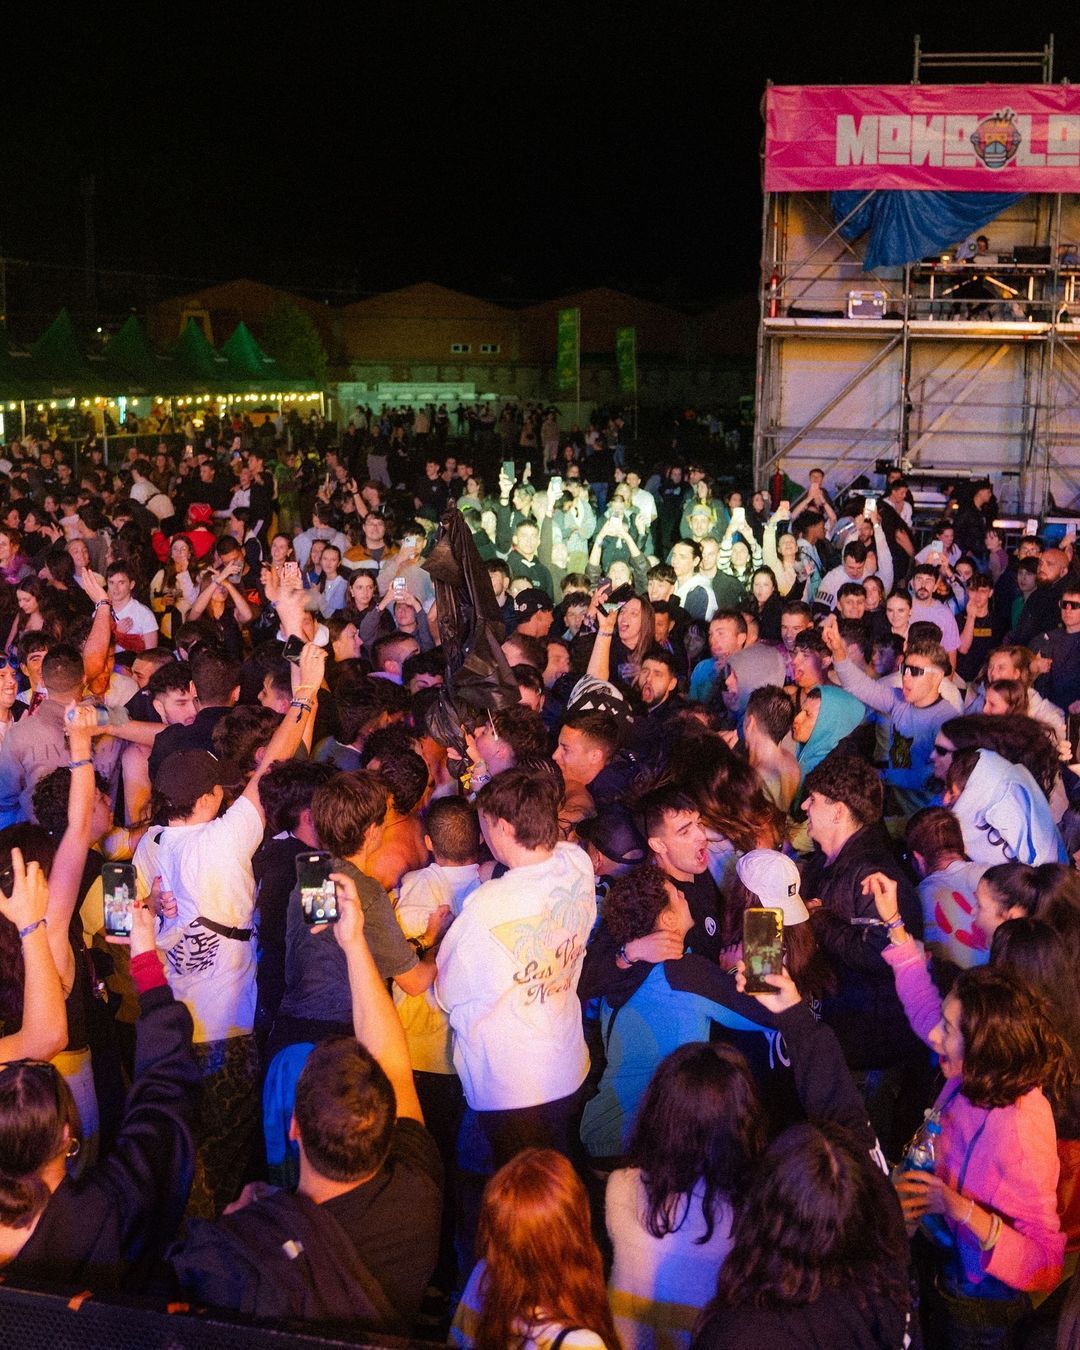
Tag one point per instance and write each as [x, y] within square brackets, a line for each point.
[142, 619]
[208, 869]
[658, 1286]
[508, 975]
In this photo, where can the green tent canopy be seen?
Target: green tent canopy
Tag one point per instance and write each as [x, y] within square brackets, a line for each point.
[133, 368]
[197, 364]
[252, 371]
[57, 368]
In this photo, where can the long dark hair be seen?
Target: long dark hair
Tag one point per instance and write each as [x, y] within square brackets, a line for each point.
[1037, 954]
[1020, 740]
[727, 792]
[701, 1120]
[35, 1105]
[1010, 1042]
[815, 1218]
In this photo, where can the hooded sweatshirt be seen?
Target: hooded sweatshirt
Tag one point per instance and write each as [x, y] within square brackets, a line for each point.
[840, 713]
[1005, 817]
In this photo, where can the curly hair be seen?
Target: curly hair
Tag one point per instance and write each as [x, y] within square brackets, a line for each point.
[701, 1121]
[1019, 739]
[814, 1219]
[1010, 1043]
[634, 903]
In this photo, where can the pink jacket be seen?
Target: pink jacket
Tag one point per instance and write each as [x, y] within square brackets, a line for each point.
[1013, 1165]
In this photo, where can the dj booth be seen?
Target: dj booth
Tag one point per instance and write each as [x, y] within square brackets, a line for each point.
[885, 335]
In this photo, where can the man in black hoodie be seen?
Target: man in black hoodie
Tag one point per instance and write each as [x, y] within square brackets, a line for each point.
[357, 1242]
[844, 802]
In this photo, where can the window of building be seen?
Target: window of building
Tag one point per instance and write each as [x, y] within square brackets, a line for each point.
[491, 348]
[461, 348]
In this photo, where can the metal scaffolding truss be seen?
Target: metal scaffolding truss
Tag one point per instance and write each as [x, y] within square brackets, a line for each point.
[925, 381]
[917, 374]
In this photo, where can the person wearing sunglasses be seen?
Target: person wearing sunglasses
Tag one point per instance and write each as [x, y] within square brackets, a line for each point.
[916, 710]
[109, 1229]
[1058, 653]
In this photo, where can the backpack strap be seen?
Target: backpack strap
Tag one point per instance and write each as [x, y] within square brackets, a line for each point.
[557, 1342]
[222, 930]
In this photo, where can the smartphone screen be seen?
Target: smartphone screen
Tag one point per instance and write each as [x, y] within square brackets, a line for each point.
[509, 468]
[556, 485]
[118, 888]
[738, 514]
[318, 894]
[399, 585]
[293, 647]
[1031, 526]
[869, 506]
[763, 947]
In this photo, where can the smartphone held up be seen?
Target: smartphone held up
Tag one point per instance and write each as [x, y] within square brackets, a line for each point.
[318, 894]
[763, 948]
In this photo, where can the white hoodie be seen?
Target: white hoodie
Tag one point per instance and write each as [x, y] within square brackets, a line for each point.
[1005, 817]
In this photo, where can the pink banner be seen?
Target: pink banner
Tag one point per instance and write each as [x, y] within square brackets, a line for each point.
[960, 138]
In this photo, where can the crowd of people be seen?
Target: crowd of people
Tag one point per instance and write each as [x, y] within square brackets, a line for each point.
[504, 1072]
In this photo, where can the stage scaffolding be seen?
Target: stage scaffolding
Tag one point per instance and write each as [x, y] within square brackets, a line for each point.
[915, 370]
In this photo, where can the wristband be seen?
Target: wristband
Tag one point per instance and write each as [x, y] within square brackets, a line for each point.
[418, 947]
[79, 763]
[603, 635]
[100, 604]
[30, 927]
[993, 1235]
[621, 954]
[300, 703]
[895, 922]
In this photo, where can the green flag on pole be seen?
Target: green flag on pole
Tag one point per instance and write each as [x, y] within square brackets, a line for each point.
[626, 358]
[568, 360]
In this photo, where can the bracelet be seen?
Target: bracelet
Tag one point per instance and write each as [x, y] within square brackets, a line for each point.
[300, 703]
[30, 927]
[621, 954]
[418, 947]
[79, 763]
[993, 1235]
[100, 604]
[304, 688]
[603, 635]
[966, 1220]
[895, 922]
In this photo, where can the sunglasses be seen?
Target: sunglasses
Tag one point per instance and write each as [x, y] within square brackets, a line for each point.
[914, 671]
[1069, 604]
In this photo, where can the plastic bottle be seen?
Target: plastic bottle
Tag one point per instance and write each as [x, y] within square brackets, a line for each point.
[921, 1156]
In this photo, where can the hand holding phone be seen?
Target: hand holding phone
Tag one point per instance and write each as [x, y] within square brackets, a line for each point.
[290, 576]
[318, 893]
[400, 585]
[763, 948]
[869, 507]
[118, 889]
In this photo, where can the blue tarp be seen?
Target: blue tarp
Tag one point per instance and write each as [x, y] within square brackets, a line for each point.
[907, 226]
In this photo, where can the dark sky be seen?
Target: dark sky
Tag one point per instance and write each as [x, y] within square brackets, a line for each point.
[515, 151]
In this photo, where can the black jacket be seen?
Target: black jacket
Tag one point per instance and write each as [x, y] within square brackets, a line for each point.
[865, 1012]
[107, 1230]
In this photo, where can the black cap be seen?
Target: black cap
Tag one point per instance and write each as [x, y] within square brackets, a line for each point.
[187, 775]
[528, 603]
[613, 833]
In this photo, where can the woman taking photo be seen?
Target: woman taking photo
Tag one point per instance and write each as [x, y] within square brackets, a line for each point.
[363, 609]
[995, 1179]
[173, 590]
[539, 1283]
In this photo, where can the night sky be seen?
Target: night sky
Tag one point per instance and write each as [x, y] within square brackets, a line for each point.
[512, 151]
